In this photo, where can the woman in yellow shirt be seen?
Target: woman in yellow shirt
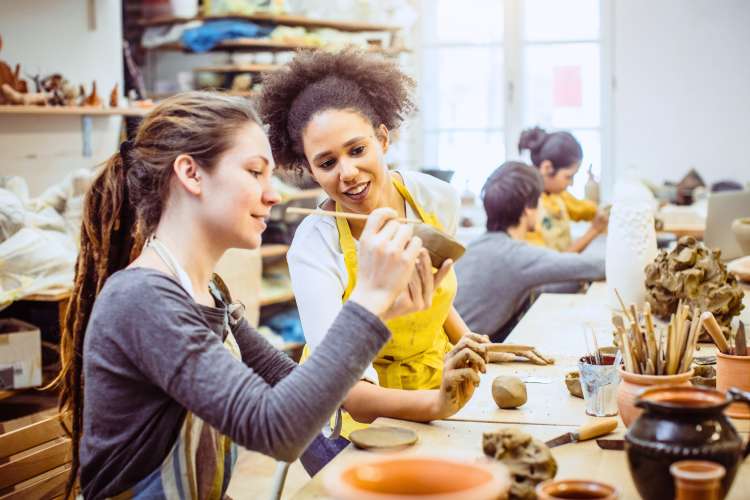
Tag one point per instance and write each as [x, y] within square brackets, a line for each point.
[558, 157]
[331, 115]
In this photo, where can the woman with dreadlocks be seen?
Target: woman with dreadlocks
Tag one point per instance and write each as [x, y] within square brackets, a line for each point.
[161, 374]
[331, 114]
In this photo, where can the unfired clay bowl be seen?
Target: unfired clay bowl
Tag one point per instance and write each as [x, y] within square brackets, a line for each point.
[422, 478]
[440, 245]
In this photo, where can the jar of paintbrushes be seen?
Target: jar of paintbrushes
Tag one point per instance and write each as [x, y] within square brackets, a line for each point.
[653, 355]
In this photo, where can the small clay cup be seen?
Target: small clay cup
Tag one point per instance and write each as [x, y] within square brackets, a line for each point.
[440, 245]
[423, 478]
[697, 479]
[704, 376]
[575, 488]
[573, 383]
[632, 384]
[733, 371]
[741, 230]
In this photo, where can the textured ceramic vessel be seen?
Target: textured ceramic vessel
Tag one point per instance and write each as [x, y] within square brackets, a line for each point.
[733, 371]
[423, 478]
[741, 230]
[633, 384]
[680, 423]
[631, 240]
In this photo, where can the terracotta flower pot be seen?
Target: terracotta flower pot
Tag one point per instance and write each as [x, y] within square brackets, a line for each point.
[741, 229]
[575, 488]
[633, 384]
[423, 478]
[733, 371]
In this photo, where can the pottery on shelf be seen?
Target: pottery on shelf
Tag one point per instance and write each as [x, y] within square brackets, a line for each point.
[631, 386]
[733, 371]
[741, 230]
[425, 478]
[679, 423]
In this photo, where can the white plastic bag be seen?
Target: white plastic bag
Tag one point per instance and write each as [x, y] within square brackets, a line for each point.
[34, 260]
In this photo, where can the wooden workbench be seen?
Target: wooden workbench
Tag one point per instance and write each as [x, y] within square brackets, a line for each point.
[554, 325]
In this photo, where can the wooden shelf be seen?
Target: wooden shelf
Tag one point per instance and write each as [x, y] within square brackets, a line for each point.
[263, 44]
[238, 68]
[71, 111]
[276, 298]
[273, 250]
[283, 20]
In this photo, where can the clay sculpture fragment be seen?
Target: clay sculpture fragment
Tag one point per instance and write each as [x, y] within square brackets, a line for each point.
[529, 460]
[694, 274]
[508, 392]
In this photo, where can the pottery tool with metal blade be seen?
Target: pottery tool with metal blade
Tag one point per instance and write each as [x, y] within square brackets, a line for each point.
[589, 430]
[441, 246]
[611, 444]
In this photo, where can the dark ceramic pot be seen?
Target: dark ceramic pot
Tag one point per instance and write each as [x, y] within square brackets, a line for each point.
[680, 423]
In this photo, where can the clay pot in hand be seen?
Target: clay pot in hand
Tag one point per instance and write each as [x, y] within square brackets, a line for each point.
[741, 230]
[575, 488]
[632, 384]
[733, 371]
[679, 423]
[440, 245]
[425, 478]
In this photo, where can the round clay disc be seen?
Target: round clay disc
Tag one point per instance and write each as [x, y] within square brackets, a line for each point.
[383, 437]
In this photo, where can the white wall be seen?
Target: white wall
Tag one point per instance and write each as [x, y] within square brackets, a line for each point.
[682, 91]
[48, 36]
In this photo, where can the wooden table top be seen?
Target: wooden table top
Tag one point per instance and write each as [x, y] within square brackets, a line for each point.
[463, 440]
[554, 326]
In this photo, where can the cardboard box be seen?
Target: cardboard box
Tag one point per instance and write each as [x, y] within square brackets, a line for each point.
[20, 355]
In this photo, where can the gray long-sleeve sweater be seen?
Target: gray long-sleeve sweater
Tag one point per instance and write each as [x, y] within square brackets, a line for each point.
[497, 274]
[151, 353]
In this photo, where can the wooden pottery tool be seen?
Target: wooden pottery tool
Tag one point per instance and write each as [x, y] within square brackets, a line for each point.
[740, 342]
[439, 245]
[382, 437]
[714, 330]
[587, 431]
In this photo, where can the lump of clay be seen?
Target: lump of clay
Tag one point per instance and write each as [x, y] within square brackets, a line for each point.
[508, 392]
[694, 274]
[573, 383]
[529, 461]
[704, 376]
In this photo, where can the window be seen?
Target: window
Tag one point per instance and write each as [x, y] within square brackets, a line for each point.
[492, 68]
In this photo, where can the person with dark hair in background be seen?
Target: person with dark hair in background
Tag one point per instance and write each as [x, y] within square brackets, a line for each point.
[500, 269]
[558, 157]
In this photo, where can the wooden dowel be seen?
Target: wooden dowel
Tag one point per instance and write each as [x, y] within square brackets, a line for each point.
[345, 215]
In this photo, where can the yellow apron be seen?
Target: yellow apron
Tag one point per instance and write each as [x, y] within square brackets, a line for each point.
[554, 216]
[413, 357]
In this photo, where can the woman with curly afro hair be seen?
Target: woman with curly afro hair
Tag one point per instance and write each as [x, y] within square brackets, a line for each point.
[331, 114]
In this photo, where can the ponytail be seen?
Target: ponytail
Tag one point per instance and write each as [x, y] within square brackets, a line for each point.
[108, 243]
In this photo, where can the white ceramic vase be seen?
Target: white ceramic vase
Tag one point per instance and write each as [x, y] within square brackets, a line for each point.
[631, 241]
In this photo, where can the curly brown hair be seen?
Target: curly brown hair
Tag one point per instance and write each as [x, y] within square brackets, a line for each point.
[123, 207]
[316, 81]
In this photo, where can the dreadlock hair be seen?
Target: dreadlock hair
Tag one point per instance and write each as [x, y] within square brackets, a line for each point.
[316, 81]
[123, 207]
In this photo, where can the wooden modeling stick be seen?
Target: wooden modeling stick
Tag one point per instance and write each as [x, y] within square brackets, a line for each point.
[651, 336]
[439, 245]
[343, 215]
[714, 330]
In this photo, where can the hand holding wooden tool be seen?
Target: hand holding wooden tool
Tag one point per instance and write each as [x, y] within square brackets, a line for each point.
[589, 430]
[441, 246]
